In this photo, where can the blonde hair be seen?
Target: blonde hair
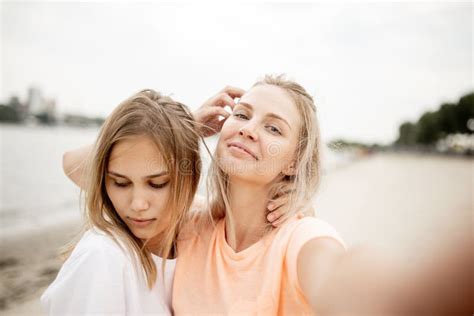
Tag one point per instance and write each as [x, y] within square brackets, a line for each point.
[170, 125]
[300, 187]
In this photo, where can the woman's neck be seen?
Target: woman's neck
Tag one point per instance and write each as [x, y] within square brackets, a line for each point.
[246, 225]
[156, 245]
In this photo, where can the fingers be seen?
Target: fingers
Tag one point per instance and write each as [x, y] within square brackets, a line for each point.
[214, 111]
[210, 120]
[233, 92]
[225, 97]
[278, 222]
[278, 202]
[275, 215]
[277, 210]
[222, 99]
[207, 114]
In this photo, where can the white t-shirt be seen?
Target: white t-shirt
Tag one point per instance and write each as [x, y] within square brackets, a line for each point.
[101, 278]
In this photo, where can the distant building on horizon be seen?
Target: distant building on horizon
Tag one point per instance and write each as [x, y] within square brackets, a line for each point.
[35, 100]
[41, 108]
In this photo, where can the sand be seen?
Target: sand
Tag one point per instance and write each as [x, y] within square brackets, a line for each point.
[401, 205]
[29, 262]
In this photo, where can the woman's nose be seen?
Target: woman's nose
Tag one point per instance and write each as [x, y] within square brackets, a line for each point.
[248, 131]
[139, 202]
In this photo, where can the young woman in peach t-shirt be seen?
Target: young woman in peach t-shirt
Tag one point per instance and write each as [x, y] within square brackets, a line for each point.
[230, 261]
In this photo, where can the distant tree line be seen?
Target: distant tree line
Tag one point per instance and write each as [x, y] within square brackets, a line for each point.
[17, 112]
[450, 118]
[12, 112]
[343, 144]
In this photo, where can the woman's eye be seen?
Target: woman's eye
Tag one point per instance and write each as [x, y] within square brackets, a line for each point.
[158, 186]
[121, 185]
[274, 130]
[241, 116]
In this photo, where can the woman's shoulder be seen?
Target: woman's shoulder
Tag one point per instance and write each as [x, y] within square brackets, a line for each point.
[299, 230]
[95, 255]
[294, 234]
[95, 269]
[197, 224]
[97, 244]
[198, 220]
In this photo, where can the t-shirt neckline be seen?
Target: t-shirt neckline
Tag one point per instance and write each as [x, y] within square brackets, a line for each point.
[250, 251]
[161, 259]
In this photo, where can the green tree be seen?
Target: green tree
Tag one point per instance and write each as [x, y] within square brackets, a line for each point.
[428, 128]
[8, 114]
[406, 134]
[448, 122]
[465, 111]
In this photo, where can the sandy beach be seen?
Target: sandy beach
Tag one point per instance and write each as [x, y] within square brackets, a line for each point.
[401, 205]
[30, 261]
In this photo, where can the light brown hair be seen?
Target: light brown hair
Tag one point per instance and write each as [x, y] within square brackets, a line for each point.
[170, 125]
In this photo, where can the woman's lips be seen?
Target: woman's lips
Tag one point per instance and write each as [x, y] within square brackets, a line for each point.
[141, 222]
[239, 147]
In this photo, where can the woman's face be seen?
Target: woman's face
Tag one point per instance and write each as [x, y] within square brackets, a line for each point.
[259, 140]
[137, 184]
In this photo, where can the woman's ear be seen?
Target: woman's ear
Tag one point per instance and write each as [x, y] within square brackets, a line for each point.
[290, 170]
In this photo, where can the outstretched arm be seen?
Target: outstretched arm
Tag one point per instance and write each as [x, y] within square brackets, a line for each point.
[317, 260]
[359, 282]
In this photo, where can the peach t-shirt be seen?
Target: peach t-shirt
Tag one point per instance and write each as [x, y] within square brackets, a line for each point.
[210, 277]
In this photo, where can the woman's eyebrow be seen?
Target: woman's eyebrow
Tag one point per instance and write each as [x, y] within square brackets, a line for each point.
[155, 175]
[246, 105]
[273, 115]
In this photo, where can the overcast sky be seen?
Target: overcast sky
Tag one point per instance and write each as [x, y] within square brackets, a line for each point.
[369, 66]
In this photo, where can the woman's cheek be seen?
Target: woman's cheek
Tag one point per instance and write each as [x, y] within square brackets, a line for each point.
[117, 198]
[231, 126]
[278, 154]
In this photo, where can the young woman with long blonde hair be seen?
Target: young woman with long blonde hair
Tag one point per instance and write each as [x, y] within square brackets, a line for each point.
[231, 261]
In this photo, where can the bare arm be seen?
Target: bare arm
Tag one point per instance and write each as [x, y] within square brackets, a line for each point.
[359, 282]
[74, 164]
[315, 264]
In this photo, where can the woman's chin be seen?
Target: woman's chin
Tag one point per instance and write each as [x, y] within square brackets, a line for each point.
[237, 165]
[143, 234]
